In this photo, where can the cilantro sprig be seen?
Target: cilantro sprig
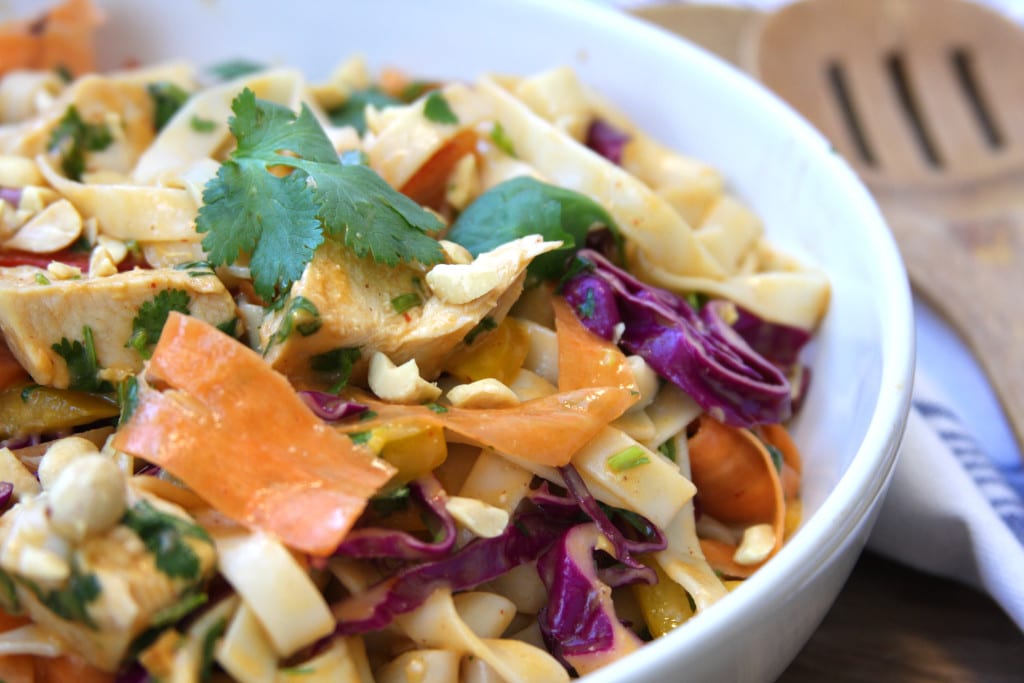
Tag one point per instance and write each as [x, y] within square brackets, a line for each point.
[83, 364]
[152, 316]
[73, 137]
[280, 220]
[165, 536]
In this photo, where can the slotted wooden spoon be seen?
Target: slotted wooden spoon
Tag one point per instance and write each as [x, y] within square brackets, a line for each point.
[925, 98]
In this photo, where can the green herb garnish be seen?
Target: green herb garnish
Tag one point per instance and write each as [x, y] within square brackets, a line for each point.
[167, 98]
[302, 316]
[127, 398]
[403, 302]
[585, 309]
[353, 111]
[235, 68]
[41, 279]
[75, 137]
[668, 449]
[486, 324]
[525, 206]
[70, 602]
[175, 612]
[501, 139]
[336, 365]
[628, 458]
[152, 316]
[280, 221]
[437, 109]
[209, 642]
[164, 536]
[201, 125]
[83, 367]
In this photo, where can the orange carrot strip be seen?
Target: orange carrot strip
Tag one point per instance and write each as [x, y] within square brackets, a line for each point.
[585, 359]
[427, 186]
[63, 37]
[69, 668]
[719, 556]
[547, 430]
[235, 432]
[735, 478]
[11, 372]
[17, 669]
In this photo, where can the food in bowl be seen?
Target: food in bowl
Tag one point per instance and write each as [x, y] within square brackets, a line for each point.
[387, 388]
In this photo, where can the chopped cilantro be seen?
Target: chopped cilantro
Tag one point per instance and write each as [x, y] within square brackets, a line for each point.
[63, 73]
[627, 459]
[576, 266]
[696, 300]
[437, 109]
[586, 307]
[196, 268]
[403, 302]
[201, 125]
[367, 415]
[353, 111]
[437, 408]
[393, 501]
[41, 279]
[234, 68]
[229, 326]
[8, 595]
[415, 90]
[299, 670]
[127, 398]
[164, 535]
[668, 449]
[210, 639]
[74, 137]
[501, 139]
[486, 324]
[336, 366]
[175, 612]
[149, 323]
[167, 98]
[300, 315]
[526, 206]
[70, 602]
[81, 246]
[280, 221]
[360, 438]
[83, 367]
[776, 456]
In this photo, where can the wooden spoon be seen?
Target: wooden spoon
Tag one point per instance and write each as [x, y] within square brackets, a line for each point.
[923, 98]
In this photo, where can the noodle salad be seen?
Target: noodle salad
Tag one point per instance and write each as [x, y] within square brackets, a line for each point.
[375, 378]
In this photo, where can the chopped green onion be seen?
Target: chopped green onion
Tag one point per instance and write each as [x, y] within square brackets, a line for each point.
[403, 302]
[627, 459]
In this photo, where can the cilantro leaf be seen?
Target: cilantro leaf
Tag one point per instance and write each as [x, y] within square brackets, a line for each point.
[74, 137]
[281, 220]
[149, 323]
[437, 109]
[248, 210]
[373, 219]
[353, 111]
[83, 366]
[526, 206]
[164, 536]
[70, 602]
[234, 68]
[167, 98]
[501, 139]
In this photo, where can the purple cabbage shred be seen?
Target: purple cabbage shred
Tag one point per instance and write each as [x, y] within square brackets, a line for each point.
[330, 407]
[697, 351]
[381, 543]
[606, 140]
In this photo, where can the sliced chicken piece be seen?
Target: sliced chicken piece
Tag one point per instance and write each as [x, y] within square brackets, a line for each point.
[346, 302]
[36, 314]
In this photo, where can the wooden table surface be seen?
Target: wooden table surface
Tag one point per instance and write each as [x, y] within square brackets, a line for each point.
[891, 623]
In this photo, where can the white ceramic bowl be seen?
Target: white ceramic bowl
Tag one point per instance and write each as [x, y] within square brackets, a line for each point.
[811, 202]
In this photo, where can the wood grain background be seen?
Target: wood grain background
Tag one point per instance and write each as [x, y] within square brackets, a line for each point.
[892, 623]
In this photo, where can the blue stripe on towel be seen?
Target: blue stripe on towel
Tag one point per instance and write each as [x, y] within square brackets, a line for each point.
[1004, 498]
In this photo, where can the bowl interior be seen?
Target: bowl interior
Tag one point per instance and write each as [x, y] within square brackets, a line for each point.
[810, 201]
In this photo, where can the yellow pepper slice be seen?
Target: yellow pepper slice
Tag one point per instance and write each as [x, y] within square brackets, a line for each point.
[27, 409]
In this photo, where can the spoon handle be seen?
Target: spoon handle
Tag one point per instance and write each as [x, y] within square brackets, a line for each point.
[971, 269]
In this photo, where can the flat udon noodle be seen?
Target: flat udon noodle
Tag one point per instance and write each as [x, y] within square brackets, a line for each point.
[438, 624]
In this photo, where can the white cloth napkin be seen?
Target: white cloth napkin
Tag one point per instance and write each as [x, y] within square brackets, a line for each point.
[955, 507]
